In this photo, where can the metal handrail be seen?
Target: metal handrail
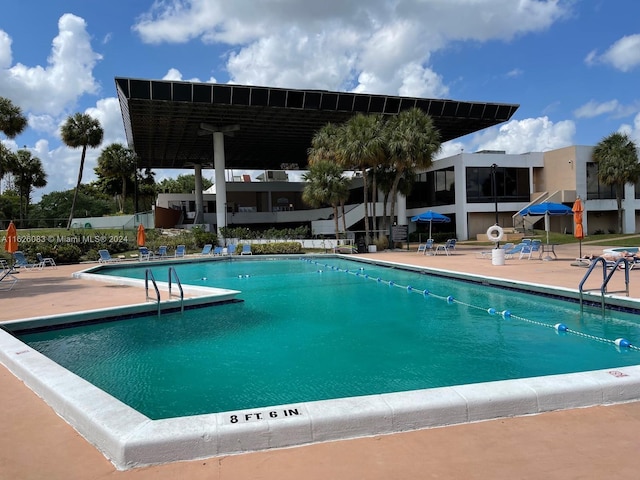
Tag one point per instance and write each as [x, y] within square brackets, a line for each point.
[148, 275]
[174, 274]
[605, 278]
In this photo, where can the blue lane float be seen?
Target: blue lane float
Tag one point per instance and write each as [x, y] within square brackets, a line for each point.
[622, 342]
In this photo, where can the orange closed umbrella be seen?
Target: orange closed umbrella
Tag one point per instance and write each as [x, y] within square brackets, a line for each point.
[577, 219]
[11, 240]
[142, 237]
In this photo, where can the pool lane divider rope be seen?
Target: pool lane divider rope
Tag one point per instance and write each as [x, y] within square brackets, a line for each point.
[621, 343]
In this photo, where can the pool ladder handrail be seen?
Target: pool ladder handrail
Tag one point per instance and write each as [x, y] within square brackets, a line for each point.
[148, 276]
[605, 278]
[174, 274]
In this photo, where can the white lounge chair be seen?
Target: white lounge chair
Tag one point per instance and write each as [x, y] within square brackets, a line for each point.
[45, 261]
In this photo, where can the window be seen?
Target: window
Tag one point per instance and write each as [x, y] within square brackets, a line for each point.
[595, 189]
[512, 184]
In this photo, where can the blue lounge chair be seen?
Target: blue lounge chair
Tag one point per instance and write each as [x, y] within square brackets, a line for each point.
[162, 251]
[181, 251]
[20, 261]
[217, 250]
[45, 261]
[7, 280]
[144, 254]
[231, 249]
[529, 249]
[446, 247]
[206, 250]
[105, 257]
[427, 247]
[246, 249]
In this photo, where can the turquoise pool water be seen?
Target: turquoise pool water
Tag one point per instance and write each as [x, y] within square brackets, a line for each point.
[310, 331]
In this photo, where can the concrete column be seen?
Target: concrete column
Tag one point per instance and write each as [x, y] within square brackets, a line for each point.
[199, 218]
[401, 209]
[221, 186]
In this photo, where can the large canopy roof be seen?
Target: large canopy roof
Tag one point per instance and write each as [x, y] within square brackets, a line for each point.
[166, 122]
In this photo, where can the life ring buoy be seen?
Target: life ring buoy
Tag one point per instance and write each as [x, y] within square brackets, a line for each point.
[495, 233]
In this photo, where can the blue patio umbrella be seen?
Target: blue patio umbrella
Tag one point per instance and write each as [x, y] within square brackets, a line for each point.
[431, 217]
[547, 209]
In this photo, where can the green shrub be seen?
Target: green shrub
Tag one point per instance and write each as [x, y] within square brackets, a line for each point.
[276, 248]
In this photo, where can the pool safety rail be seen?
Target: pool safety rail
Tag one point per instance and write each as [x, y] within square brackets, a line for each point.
[620, 343]
[608, 270]
[173, 275]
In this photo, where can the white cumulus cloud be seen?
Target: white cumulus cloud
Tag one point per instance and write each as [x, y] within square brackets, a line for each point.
[55, 87]
[623, 55]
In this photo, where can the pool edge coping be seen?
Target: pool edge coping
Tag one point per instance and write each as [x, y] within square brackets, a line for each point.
[129, 439]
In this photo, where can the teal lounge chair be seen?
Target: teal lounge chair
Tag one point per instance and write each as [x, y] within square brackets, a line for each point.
[20, 261]
[105, 257]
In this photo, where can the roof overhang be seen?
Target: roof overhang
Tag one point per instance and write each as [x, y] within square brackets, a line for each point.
[264, 127]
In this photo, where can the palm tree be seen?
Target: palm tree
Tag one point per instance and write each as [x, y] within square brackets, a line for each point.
[617, 160]
[360, 146]
[411, 142]
[326, 185]
[28, 173]
[117, 162]
[12, 123]
[81, 130]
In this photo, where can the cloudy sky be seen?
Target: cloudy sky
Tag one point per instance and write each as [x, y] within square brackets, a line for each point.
[572, 65]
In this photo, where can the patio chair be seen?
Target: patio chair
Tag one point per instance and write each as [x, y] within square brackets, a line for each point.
[427, 247]
[181, 251]
[105, 257]
[206, 250]
[45, 261]
[7, 279]
[530, 248]
[144, 254]
[515, 250]
[20, 261]
[162, 251]
[217, 250]
[489, 253]
[231, 249]
[246, 249]
[446, 247]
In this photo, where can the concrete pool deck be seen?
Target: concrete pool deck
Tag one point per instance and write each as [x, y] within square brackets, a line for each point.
[582, 443]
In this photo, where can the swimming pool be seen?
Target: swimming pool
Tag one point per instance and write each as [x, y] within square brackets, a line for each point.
[297, 421]
[318, 330]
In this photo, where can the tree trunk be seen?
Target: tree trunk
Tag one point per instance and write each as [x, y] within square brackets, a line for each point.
[619, 203]
[374, 200]
[366, 207]
[75, 193]
[344, 219]
[124, 194]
